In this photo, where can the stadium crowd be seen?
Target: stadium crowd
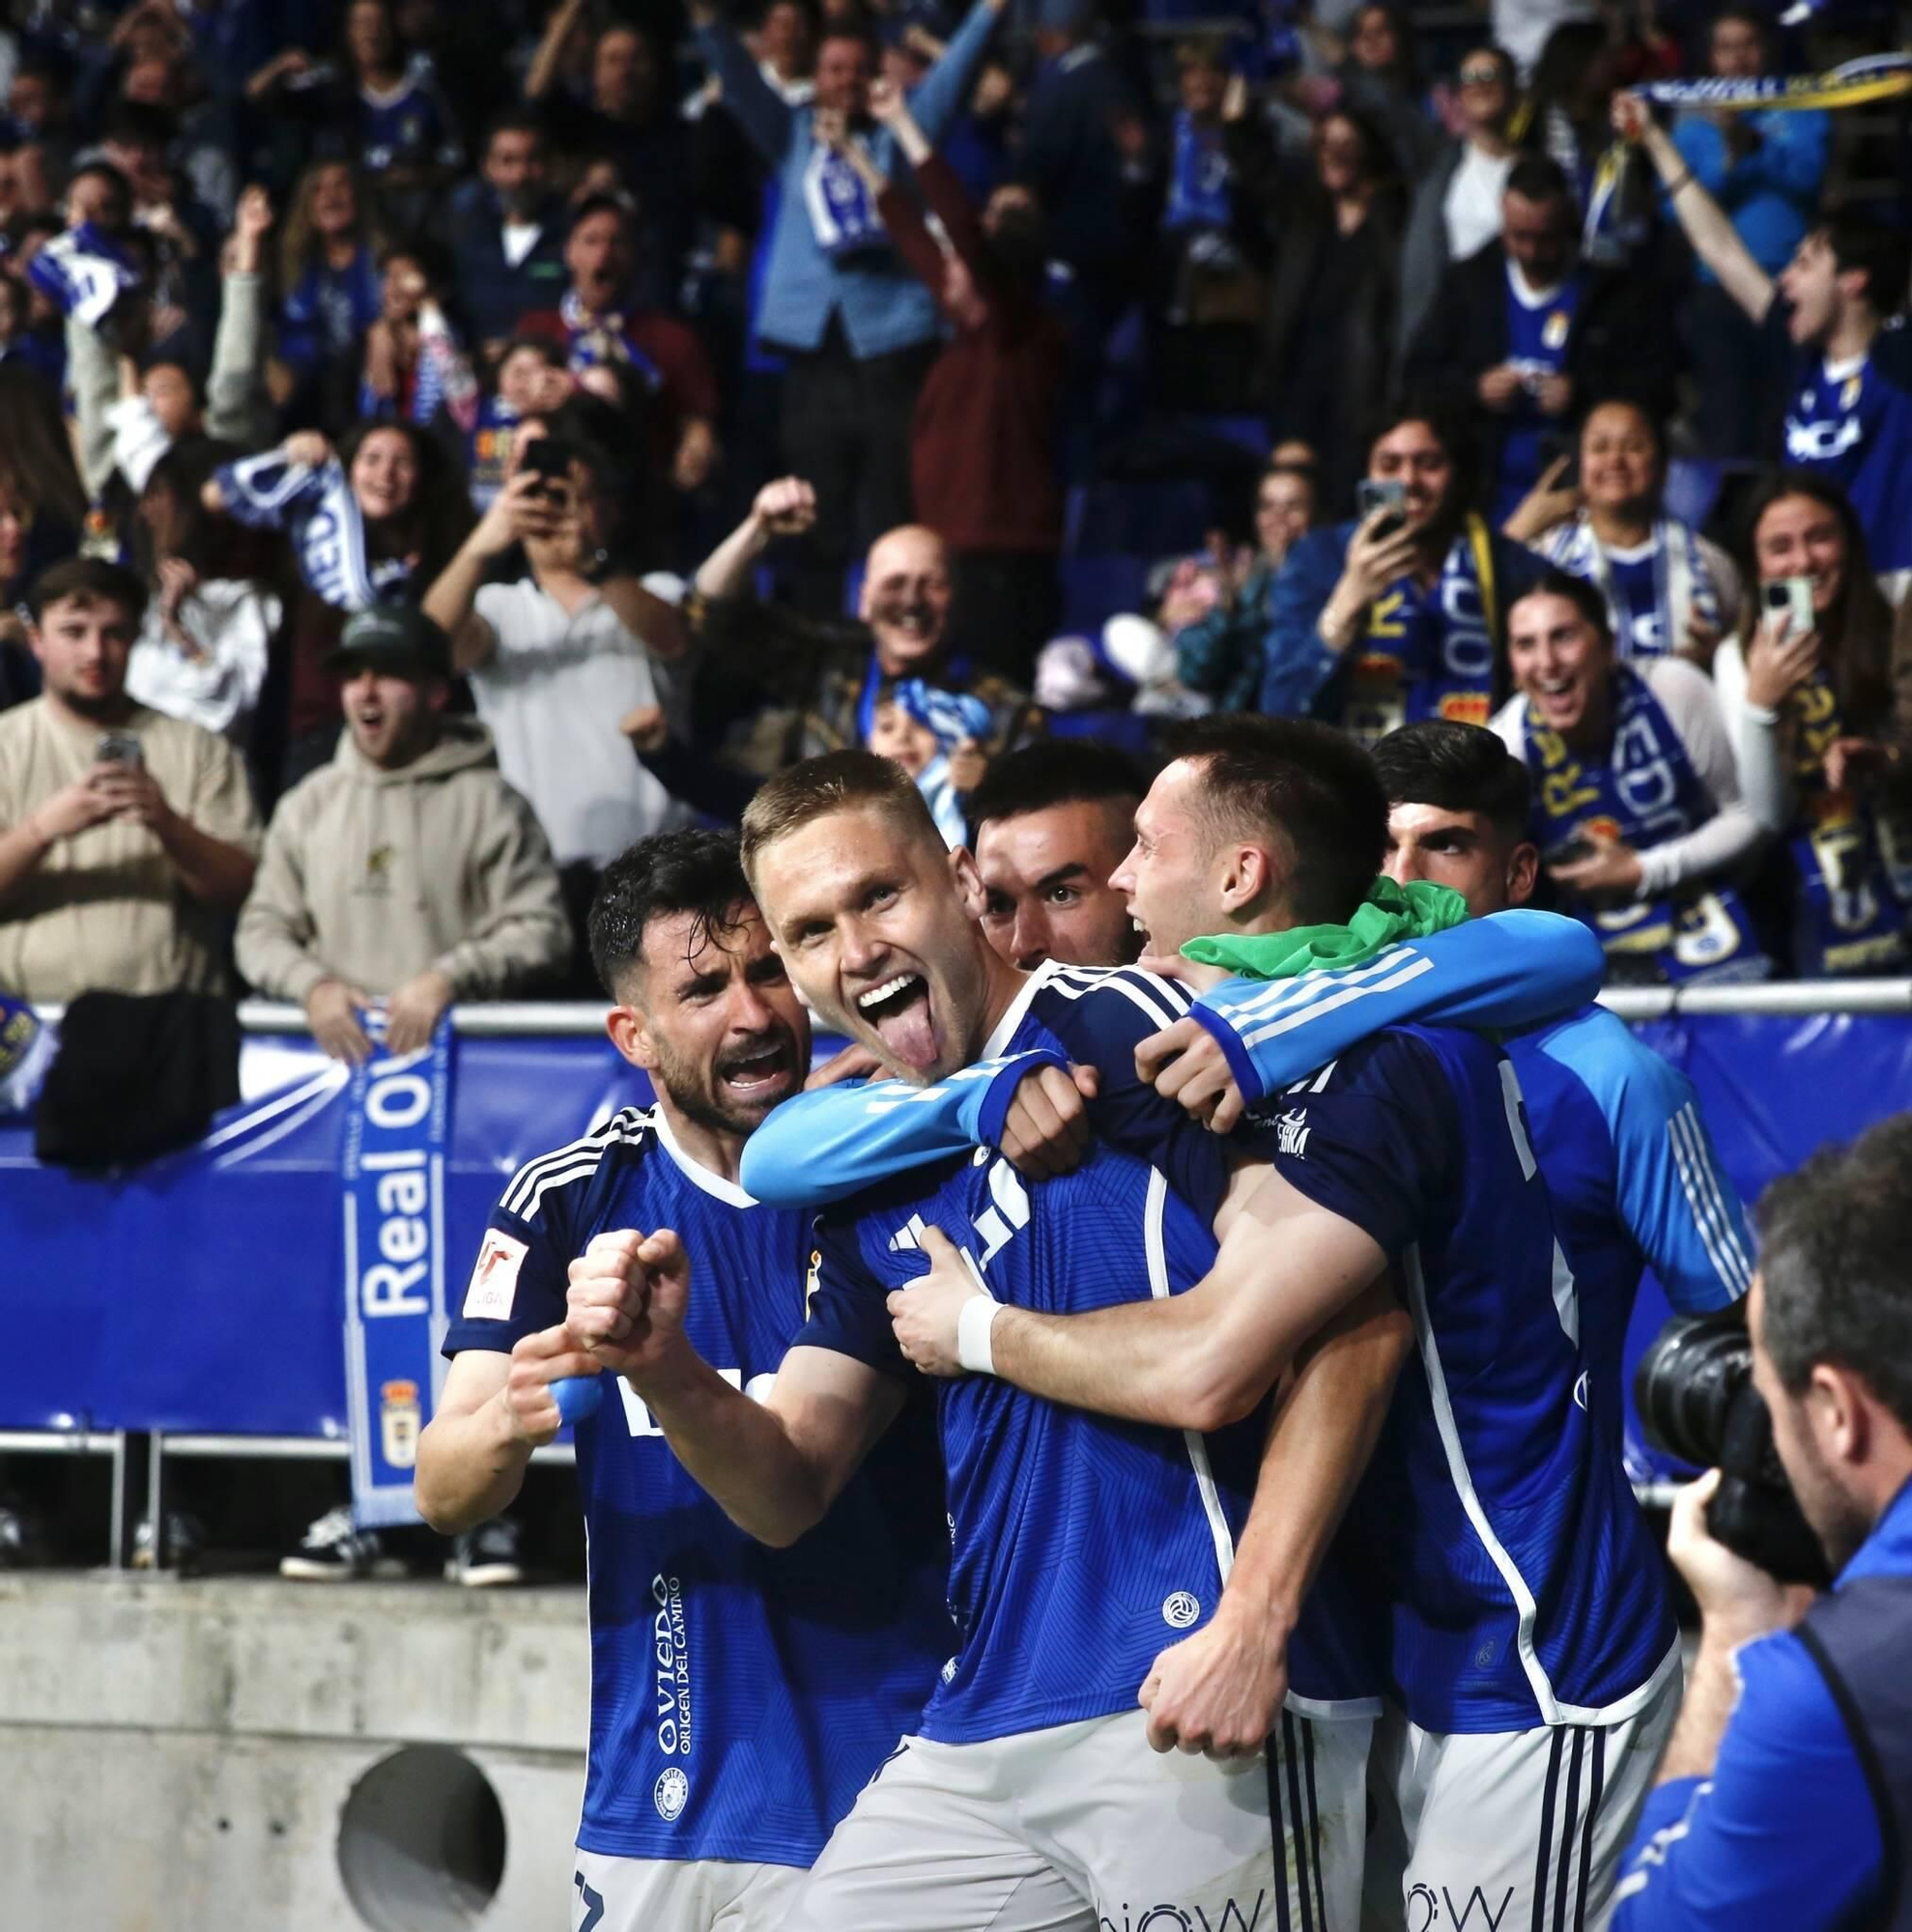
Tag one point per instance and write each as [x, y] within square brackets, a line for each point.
[436, 461]
[981, 330]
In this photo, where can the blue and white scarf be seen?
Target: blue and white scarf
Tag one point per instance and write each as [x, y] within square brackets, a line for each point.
[1425, 654]
[27, 1046]
[1683, 587]
[1849, 912]
[392, 1172]
[321, 516]
[598, 339]
[83, 273]
[952, 716]
[1199, 178]
[842, 215]
[1643, 793]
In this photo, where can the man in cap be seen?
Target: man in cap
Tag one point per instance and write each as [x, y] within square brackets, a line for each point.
[406, 872]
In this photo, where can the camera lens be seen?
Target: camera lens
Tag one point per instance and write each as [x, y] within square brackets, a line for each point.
[1686, 1382]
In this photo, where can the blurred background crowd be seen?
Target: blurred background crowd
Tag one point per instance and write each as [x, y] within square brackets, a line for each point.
[482, 443]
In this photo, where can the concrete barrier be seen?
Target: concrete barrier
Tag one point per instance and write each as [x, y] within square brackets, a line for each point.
[248, 1755]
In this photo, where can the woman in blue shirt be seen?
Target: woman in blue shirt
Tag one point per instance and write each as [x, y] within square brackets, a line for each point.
[328, 269]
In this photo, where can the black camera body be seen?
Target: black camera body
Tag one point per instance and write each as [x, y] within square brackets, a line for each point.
[1693, 1390]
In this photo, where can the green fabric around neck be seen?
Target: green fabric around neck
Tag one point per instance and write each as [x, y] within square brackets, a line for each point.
[1390, 913]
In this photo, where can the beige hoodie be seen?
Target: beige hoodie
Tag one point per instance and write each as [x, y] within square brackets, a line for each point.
[373, 876]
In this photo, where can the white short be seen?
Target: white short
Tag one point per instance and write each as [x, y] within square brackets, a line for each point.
[1508, 1829]
[1083, 1826]
[683, 1894]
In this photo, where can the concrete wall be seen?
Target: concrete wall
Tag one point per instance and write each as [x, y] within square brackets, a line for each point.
[179, 1755]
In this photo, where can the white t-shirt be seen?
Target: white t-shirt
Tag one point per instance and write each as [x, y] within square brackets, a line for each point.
[1473, 207]
[519, 237]
[553, 695]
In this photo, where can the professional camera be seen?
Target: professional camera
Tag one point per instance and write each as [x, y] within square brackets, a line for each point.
[1695, 1394]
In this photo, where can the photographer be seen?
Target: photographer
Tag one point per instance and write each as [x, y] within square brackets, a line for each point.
[1785, 1791]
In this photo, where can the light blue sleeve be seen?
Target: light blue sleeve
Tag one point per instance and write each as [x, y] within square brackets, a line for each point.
[1509, 970]
[946, 86]
[823, 1147]
[1792, 152]
[762, 113]
[1676, 1200]
[1784, 1832]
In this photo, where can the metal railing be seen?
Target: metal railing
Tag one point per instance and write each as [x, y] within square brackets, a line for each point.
[508, 1020]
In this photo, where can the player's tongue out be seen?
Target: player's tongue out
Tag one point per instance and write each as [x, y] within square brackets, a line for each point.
[899, 1011]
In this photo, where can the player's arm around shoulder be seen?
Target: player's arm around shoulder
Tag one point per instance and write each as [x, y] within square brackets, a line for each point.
[1195, 1360]
[775, 1466]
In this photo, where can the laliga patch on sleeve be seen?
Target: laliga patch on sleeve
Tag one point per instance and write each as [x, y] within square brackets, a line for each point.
[495, 1279]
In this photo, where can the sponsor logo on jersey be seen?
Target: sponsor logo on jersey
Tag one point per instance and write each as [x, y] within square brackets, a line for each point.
[1230, 1916]
[1180, 1610]
[674, 1670]
[1428, 1908]
[1821, 442]
[669, 1793]
[494, 1278]
[1291, 1133]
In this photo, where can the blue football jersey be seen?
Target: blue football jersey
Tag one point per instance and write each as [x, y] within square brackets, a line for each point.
[1526, 1587]
[1853, 422]
[741, 1697]
[408, 126]
[1081, 1544]
[1537, 333]
[1634, 1181]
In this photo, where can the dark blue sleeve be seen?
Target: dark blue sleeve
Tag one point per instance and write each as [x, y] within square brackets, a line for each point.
[1102, 1027]
[1376, 1144]
[517, 1283]
[1784, 1832]
[845, 1307]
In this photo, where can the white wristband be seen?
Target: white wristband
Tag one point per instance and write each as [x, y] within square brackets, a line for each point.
[977, 1318]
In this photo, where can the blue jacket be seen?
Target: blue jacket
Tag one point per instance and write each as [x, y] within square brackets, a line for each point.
[1298, 668]
[1784, 1832]
[1769, 194]
[882, 306]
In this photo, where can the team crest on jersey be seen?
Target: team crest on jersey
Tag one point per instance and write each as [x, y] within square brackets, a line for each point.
[1848, 395]
[494, 1279]
[670, 1794]
[1180, 1610]
[1554, 333]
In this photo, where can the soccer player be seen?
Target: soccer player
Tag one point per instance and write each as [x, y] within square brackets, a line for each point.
[1633, 1172]
[740, 1696]
[1047, 824]
[1838, 302]
[1028, 1797]
[1532, 1647]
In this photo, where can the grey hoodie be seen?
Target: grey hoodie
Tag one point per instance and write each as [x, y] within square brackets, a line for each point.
[375, 876]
